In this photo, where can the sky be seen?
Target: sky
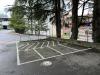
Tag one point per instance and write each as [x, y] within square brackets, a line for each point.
[4, 5]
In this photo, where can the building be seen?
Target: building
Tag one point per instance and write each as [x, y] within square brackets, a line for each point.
[4, 21]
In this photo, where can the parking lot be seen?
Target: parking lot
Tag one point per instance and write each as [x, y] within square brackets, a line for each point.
[32, 51]
[75, 60]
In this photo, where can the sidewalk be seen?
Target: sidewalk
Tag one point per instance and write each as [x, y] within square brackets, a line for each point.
[9, 36]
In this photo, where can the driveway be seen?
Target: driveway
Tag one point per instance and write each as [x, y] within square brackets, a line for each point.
[85, 62]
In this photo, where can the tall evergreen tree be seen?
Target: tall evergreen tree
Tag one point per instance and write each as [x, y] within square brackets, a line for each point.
[57, 18]
[44, 8]
[74, 19]
[96, 22]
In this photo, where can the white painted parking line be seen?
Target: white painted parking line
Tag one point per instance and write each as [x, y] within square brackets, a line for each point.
[39, 54]
[53, 43]
[42, 45]
[25, 46]
[18, 60]
[55, 50]
[36, 45]
[30, 61]
[27, 49]
[78, 51]
[42, 57]
[48, 43]
[56, 56]
[68, 47]
[22, 45]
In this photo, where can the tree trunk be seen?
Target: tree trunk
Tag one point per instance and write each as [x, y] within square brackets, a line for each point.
[74, 20]
[96, 22]
[31, 22]
[82, 13]
[57, 18]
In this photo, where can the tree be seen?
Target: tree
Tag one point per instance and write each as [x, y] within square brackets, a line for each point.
[29, 13]
[40, 26]
[54, 8]
[96, 22]
[74, 19]
[17, 21]
[76, 23]
[57, 18]
[47, 7]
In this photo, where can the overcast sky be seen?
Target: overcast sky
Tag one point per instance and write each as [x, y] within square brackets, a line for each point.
[4, 4]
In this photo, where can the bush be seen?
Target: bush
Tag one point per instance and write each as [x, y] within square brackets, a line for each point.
[21, 31]
[18, 27]
[17, 21]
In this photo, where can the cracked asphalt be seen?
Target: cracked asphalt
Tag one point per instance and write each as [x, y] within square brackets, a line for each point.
[81, 63]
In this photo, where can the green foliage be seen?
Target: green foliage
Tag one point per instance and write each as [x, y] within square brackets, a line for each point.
[42, 9]
[40, 26]
[17, 22]
[17, 25]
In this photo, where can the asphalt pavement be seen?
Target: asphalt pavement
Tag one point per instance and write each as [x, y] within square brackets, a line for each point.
[80, 63]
